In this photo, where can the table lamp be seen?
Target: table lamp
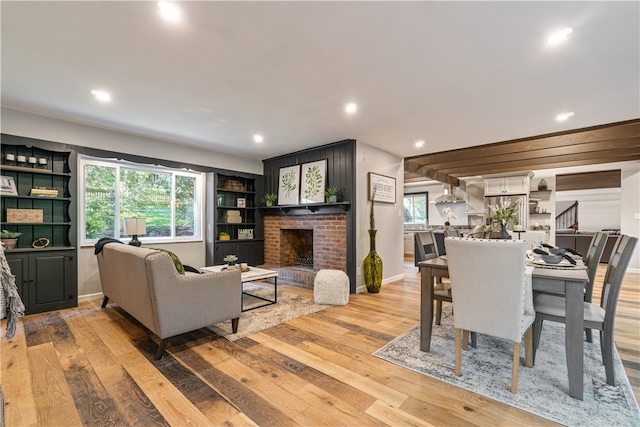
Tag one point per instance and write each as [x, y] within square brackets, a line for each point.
[135, 227]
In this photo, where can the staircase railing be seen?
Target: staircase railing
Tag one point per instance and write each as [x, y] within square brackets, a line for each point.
[568, 218]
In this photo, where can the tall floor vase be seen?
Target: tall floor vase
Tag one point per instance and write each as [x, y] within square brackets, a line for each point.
[372, 268]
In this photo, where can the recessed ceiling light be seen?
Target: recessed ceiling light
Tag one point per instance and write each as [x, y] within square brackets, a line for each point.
[258, 138]
[559, 36]
[101, 95]
[419, 144]
[564, 116]
[351, 107]
[169, 11]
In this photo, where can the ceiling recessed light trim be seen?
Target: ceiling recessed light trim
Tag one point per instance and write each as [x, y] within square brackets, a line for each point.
[169, 11]
[559, 37]
[564, 116]
[351, 108]
[101, 95]
[419, 144]
[258, 138]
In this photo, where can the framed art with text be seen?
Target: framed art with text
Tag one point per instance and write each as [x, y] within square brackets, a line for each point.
[288, 185]
[384, 186]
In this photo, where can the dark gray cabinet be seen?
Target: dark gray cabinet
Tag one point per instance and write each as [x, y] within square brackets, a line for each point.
[45, 280]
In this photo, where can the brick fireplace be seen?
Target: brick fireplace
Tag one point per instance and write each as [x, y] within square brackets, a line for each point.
[327, 234]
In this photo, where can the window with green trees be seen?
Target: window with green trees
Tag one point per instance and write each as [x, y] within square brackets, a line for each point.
[415, 208]
[113, 190]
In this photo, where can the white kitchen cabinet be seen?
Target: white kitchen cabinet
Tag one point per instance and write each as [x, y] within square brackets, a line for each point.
[506, 185]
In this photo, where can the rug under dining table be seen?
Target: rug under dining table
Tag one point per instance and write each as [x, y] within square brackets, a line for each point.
[542, 390]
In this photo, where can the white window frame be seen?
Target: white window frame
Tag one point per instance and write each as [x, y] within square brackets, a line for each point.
[426, 212]
[84, 160]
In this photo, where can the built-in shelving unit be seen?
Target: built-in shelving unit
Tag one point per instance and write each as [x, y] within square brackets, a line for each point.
[237, 222]
[44, 260]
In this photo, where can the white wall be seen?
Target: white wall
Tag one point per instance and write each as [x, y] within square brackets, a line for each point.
[389, 217]
[598, 209]
[49, 129]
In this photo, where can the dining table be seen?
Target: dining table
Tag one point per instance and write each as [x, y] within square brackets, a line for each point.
[570, 282]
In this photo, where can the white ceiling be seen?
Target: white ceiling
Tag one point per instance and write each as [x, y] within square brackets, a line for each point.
[454, 74]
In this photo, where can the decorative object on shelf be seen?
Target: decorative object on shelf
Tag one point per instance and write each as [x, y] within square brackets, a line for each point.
[372, 268]
[40, 243]
[8, 186]
[269, 199]
[241, 202]
[135, 227]
[542, 185]
[10, 157]
[313, 178]
[503, 213]
[9, 238]
[21, 159]
[230, 261]
[331, 194]
[288, 185]
[25, 216]
[44, 192]
[234, 185]
[450, 215]
[223, 235]
[383, 188]
[245, 234]
[221, 199]
[232, 217]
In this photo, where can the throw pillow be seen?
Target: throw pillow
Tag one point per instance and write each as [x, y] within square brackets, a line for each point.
[174, 257]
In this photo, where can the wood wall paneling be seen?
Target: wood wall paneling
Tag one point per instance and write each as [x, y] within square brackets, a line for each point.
[589, 180]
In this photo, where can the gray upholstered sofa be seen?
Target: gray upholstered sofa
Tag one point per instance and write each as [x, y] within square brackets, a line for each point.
[145, 283]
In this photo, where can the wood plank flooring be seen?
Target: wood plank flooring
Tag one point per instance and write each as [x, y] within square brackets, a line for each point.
[89, 366]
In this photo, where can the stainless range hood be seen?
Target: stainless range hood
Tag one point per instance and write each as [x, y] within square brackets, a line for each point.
[448, 196]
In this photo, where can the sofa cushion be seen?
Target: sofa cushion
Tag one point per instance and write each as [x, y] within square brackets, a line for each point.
[174, 258]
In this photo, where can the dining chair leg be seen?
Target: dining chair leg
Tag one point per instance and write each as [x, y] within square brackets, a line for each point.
[528, 347]
[589, 335]
[537, 331]
[465, 339]
[514, 370]
[607, 357]
[438, 311]
[458, 351]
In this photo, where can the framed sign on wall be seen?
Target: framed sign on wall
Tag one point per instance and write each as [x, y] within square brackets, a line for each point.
[385, 188]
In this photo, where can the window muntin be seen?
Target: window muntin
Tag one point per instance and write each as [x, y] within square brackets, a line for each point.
[112, 190]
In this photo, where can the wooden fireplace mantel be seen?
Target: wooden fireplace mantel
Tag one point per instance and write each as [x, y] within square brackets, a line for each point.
[307, 209]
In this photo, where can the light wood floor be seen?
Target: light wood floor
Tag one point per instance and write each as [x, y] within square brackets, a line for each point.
[88, 366]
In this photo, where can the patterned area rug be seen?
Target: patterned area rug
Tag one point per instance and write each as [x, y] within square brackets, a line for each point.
[290, 306]
[542, 390]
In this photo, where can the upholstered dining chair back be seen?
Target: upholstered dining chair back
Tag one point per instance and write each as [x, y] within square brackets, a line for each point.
[489, 285]
[488, 289]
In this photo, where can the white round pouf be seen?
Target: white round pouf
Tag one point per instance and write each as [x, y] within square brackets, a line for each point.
[331, 287]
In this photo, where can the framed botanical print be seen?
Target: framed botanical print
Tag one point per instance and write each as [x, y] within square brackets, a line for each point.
[312, 182]
[288, 185]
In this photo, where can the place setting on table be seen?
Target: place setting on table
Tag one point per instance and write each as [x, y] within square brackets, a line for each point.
[544, 255]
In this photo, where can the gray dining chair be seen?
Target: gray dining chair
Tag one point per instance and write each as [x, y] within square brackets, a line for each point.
[426, 248]
[601, 317]
[489, 293]
[592, 260]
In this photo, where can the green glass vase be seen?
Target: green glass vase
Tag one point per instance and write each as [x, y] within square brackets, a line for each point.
[372, 268]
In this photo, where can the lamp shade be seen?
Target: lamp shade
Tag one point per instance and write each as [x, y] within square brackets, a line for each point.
[135, 226]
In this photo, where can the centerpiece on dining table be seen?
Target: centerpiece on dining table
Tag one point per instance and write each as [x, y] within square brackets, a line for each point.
[504, 212]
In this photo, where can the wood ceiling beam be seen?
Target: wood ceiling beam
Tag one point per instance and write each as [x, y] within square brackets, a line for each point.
[601, 146]
[428, 172]
[614, 142]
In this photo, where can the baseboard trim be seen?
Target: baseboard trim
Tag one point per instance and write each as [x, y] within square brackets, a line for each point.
[90, 297]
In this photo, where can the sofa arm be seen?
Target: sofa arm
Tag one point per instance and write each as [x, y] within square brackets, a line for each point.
[186, 303]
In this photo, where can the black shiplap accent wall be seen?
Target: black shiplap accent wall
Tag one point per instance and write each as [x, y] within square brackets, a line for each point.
[341, 172]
